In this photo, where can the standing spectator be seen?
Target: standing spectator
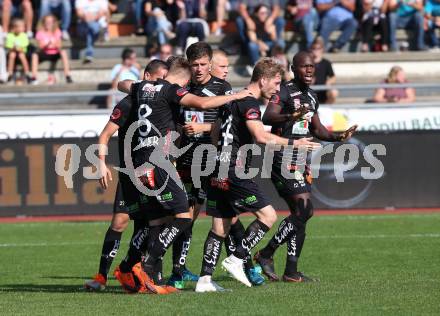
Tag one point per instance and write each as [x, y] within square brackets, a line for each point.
[17, 44]
[61, 9]
[245, 21]
[127, 70]
[191, 23]
[16, 8]
[432, 15]
[49, 49]
[324, 74]
[407, 14]
[157, 21]
[395, 95]
[165, 51]
[337, 15]
[3, 72]
[305, 18]
[374, 16]
[263, 38]
[91, 14]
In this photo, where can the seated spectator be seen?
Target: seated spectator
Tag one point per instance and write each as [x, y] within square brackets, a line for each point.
[245, 22]
[407, 14]
[374, 17]
[49, 49]
[305, 18]
[16, 9]
[158, 24]
[3, 72]
[61, 9]
[17, 44]
[127, 70]
[165, 51]
[191, 23]
[337, 15]
[395, 95]
[324, 74]
[92, 16]
[432, 15]
[263, 37]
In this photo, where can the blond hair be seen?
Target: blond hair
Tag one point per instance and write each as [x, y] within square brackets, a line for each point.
[56, 24]
[392, 75]
[266, 67]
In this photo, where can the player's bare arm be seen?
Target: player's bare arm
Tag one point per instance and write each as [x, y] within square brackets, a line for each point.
[260, 136]
[205, 103]
[125, 86]
[322, 133]
[273, 114]
[191, 128]
[109, 130]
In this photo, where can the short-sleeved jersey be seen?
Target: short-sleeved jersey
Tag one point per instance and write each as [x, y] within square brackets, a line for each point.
[214, 87]
[290, 99]
[120, 116]
[235, 133]
[155, 108]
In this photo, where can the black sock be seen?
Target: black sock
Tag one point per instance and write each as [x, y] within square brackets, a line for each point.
[137, 244]
[180, 250]
[254, 233]
[285, 230]
[110, 247]
[230, 245]
[164, 240]
[211, 253]
[236, 233]
[294, 247]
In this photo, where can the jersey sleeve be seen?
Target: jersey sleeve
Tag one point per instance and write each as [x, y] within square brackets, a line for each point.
[175, 93]
[121, 112]
[280, 98]
[250, 111]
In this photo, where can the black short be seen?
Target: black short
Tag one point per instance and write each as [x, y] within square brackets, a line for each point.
[301, 182]
[229, 198]
[42, 56]
[195, 195]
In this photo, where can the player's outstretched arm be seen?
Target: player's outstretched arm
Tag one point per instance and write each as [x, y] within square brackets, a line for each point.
[321, 132]
[273, 114]
[109, 130]
[125, 86]
[204, 103]
[256, 128]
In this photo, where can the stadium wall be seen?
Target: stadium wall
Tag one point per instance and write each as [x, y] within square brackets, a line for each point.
[29, 184]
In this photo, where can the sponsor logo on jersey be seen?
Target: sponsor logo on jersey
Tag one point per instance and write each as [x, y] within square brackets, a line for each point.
[295, 94]
[181, 92]
[253, 114]
[116, 114]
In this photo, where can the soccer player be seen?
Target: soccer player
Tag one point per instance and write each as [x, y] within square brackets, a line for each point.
[229, 192]
[293, 113]
[154, 110]
[124, 207]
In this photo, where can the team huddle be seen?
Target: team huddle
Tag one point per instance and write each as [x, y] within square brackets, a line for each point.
[159, 190]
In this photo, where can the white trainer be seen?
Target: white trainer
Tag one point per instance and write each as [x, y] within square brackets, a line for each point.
[205, 284]
[234, 266]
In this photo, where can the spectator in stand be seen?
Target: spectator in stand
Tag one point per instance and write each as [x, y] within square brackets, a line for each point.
[50, 49]
[432, 15]
[324, 74]
[278, 54]
[407, 14]
[263, 37]
[374, 17]
[92, 18]
[165, 51]
[305, 18]
[395, 95]
[129, 69]
[61, 9]
[337, 15]
[16, 9]
[191, 23]
[17, 44]
[245, 22]
[158, 24]
[3, 72]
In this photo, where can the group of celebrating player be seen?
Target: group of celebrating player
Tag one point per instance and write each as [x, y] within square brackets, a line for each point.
[192, 97]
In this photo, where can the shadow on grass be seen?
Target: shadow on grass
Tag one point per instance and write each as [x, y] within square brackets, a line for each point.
[54, 288]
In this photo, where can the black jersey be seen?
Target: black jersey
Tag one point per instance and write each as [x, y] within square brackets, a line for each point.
[234, 132]
[155, 107]
[290, 98]
[120, 116]
[214, 87]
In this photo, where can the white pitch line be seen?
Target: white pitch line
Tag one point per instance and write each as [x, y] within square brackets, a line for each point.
[47, 244]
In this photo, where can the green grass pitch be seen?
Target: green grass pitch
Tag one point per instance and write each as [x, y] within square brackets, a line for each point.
[368, 265]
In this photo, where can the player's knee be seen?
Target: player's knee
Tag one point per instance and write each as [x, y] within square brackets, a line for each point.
[304, 210]
[120, 222]
[268, 217]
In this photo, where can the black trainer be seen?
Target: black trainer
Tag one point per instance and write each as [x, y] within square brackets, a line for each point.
[299, 277]
[267, 266]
